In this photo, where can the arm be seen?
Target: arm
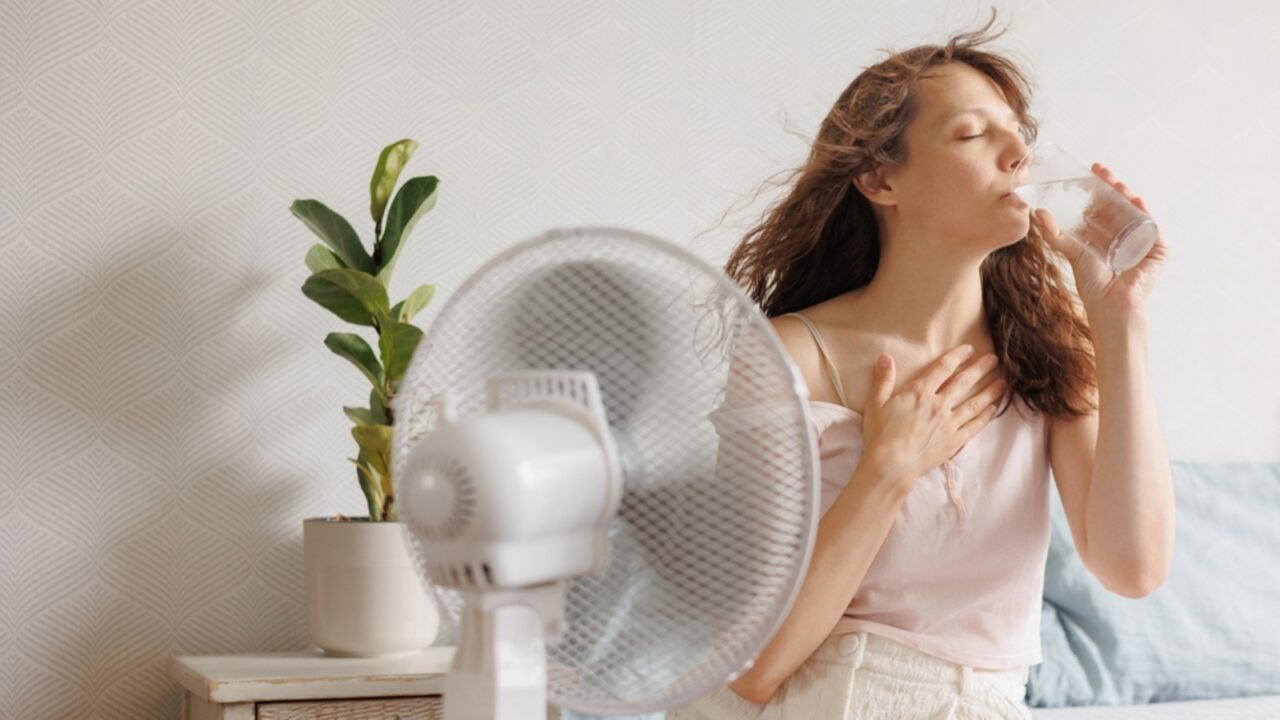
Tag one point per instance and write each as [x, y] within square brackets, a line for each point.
[1112, 469]
[1129, 517]
[849, 536]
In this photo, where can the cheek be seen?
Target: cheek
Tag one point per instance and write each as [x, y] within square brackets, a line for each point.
[972, 178]
[952, 189]
[955, 190]
[958, 173]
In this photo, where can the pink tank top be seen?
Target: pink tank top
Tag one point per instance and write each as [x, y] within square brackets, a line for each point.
[961, 574]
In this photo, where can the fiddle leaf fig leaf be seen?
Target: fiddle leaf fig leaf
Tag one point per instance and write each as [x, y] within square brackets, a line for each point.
[390, 163]
[335, 231]
[354, 348]
[360, 416]
[398, 341]
[375, 444]
[320, 258]
[378, 406]
[352, 295]
[406, 309]
[369, 484]
[414, 199]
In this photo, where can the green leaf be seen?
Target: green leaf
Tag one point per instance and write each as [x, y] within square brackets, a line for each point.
[354, 348]
[360, 416]
[369, 484]
[388, 492]
[390, 163]
[335, 231]
[414, 199]
[410, 306]
[378, 406]
[350, 294]
[397, 342]
[375, 444]
[320, 258]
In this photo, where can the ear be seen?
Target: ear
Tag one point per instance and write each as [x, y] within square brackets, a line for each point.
[875, 187]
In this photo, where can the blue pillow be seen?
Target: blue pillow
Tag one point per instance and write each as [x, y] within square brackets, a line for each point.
[1212, 630]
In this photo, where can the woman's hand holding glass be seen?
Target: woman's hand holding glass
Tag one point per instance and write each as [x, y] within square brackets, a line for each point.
[1098, 224]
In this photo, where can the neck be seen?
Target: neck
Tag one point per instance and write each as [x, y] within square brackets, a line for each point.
[926, 296]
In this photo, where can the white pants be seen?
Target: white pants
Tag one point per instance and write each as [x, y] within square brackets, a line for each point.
[863, 676]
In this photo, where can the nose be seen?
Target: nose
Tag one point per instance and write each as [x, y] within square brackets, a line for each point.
[1019, 153]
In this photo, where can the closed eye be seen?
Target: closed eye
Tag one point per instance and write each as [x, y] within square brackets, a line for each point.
[1021, 131]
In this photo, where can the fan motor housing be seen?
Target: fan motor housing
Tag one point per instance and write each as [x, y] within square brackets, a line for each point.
[508, 498]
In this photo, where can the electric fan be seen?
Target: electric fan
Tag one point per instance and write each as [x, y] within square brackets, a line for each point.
[607, 475]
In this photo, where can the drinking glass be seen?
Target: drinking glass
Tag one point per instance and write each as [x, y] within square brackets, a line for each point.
[1085, 207]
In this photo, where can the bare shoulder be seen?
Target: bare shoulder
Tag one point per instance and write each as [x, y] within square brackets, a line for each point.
[854, 348]
[851, 348]
[798, 343]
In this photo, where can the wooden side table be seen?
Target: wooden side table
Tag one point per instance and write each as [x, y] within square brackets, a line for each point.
[298, 685]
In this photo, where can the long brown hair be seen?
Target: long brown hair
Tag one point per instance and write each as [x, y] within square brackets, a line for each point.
[821, 239]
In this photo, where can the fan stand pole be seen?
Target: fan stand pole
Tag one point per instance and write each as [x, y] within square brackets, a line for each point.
[500, 669]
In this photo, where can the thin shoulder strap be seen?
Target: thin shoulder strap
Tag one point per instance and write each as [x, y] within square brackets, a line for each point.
[826, 357]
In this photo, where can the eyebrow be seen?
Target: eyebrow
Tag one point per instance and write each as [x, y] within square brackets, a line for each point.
[981, 111]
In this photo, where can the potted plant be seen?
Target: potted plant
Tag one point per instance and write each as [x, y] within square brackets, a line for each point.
[364, 597]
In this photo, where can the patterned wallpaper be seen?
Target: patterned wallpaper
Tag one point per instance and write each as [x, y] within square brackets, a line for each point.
[168, 413]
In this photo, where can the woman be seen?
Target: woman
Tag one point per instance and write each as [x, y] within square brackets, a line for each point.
[896, 247]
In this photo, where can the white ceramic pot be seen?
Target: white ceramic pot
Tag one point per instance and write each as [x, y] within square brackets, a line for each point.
[364, 598]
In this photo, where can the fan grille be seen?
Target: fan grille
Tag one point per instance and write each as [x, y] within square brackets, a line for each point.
[713, 533]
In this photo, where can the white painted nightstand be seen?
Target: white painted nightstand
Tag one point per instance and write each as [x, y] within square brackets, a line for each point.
[294, 686]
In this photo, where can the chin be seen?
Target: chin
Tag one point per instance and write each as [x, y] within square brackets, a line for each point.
[1018, 232]
[1004, 240]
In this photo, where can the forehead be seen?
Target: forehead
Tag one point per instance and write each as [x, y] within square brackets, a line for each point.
[955, 91]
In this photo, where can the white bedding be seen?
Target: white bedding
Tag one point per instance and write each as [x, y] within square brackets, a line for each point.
[1260, 707]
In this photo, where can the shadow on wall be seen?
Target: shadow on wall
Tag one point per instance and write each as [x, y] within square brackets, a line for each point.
[171, 437]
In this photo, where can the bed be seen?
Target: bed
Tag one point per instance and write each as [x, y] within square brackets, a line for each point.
[1261, 707]
[1210, 631]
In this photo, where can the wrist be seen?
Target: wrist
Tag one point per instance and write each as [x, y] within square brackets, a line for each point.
[875, 473]
[1111, 327]
[1127, 317]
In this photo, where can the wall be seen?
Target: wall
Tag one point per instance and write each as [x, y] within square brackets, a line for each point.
[168, 413]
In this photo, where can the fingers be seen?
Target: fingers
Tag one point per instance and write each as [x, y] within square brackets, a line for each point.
[984, 401]
[1063, 245]
[971, 428]
[960, 384]
[1110, 178]
[943, 368]
[882, 381]
[1104, 218]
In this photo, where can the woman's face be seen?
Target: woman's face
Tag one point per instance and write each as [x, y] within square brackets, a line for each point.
[962, 150]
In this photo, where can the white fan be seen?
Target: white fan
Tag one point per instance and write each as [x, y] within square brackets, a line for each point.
[608, 477]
